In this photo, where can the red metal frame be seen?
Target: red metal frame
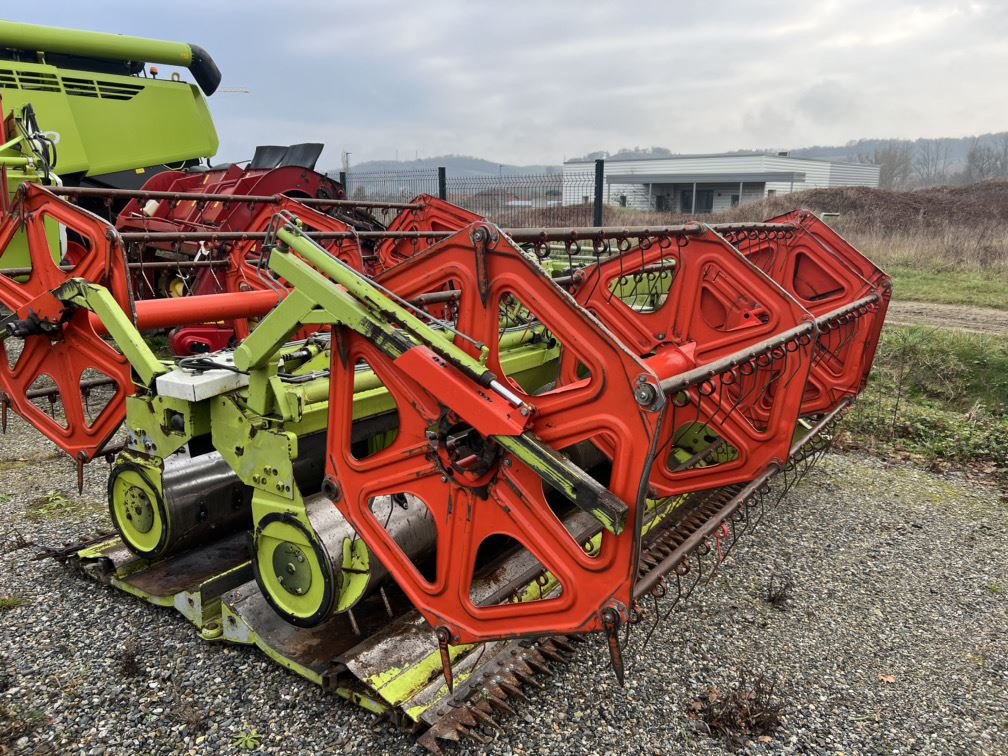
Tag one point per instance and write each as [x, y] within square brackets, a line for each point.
[434, 215]
[823, 272]
[718, 306]
[71, 341]
[72, 346]
[509, 498]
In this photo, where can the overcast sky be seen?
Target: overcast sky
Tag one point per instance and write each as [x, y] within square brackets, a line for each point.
[535, 82]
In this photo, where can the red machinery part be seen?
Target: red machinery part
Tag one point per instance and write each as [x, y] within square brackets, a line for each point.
[697, 298]
[169, 215]
[497, 495]
[823, 272]
[69, 347]
[243, 273]
[433, 215]
[64, 354]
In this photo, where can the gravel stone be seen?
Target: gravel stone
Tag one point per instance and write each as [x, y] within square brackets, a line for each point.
[892, 640]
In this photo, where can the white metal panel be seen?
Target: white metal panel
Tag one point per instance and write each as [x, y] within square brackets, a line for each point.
[852, 174]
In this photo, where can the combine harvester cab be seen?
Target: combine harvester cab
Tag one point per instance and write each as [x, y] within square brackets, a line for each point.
[115, 121]
[467, 462]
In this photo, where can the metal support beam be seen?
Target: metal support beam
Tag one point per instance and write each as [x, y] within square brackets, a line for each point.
[599, 179]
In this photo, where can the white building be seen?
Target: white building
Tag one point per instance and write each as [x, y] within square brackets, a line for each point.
[708, 183]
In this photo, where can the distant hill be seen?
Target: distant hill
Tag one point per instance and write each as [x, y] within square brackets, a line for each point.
[455, 165]
[905, 163]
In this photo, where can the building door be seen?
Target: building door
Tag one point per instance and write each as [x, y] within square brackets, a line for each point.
[734, 200]
[704, 201]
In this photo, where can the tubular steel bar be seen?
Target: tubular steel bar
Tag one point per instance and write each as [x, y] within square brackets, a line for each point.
[677, 383]
[519, 235]
[261, 199]
[726, 228]
[153, 265]
[842, 312]
[654, 576]
[169, 312]
[85, 385]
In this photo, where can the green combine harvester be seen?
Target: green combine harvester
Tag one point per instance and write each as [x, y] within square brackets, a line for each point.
[111, 121]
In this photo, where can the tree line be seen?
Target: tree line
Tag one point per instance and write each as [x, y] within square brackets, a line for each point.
[932, 162]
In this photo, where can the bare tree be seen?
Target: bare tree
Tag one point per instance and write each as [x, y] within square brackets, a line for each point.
[982, 161]
[931, 161]
[896, 159]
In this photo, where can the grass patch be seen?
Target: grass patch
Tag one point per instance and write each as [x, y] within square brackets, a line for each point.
[952, 287]
[7, 603]
[158, 342]
[15, 724]
[55, 504]
[939, 394]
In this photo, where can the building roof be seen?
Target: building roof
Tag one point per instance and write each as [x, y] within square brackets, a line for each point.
[705, 178]
[710, 155]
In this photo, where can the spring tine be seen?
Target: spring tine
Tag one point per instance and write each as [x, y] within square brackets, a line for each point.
[3, 412]
[443, 636]
[385, 601]
[80, 475]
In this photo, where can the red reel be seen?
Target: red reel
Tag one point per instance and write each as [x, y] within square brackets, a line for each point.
[474, 489]
[60, 344]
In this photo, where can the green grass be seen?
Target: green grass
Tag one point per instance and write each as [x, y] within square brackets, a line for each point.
[54, 505]
[12, 602]
[950, 287]
[941, 395]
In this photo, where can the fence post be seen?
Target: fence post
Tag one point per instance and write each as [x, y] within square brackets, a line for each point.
[342, 179]
[442, 183]
[597, 209]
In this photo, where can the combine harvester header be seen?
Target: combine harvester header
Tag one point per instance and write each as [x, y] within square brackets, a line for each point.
[437, 452]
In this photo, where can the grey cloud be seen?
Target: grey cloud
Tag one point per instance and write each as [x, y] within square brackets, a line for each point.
[535, 81]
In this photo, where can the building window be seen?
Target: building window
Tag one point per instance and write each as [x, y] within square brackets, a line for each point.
[734, 200]
[771, 193]
[622, 200]
[704, 201]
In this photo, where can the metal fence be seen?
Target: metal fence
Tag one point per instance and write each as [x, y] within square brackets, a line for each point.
[511, 200]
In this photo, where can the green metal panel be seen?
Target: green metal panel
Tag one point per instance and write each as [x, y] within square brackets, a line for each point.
[17, 161]
[108, 123]
[93, 44]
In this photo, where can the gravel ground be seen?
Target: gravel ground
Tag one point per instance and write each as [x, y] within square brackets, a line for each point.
[893, 640]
